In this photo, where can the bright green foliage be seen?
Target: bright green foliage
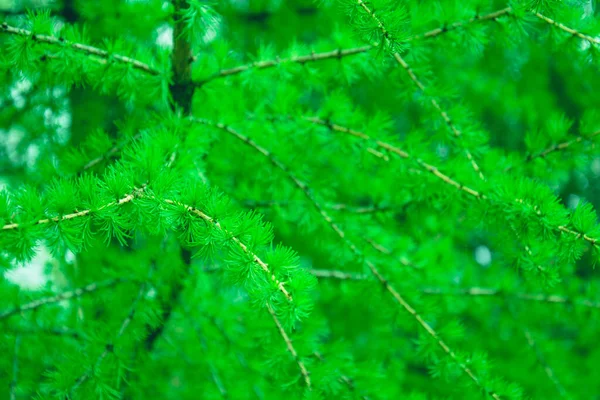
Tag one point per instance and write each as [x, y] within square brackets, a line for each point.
[343, 199]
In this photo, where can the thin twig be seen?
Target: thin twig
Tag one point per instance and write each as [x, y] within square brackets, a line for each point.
[590, 39]
[92, 287]
[542, 361]
[341, 275]
[109, 347]
[290, 347]
[395, 150]
[430, 330]
[557, 147]
[238, 242]
[491, 292]
[79, 47]
[333, 54]
[15, 369]
[113, 150]
[494, 15]
[124, 200]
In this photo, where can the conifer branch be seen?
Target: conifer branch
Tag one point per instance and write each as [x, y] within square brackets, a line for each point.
[109, 347]
[384, 250]
[112, 151]
[457, 133]
[239, 243]
[291, 349]
[15, 369]
[353, 248]
[78, 47]
[472, 291]
[59, 331]
[342, 53]
[542, 361]
[190, 209]
[429, 330]
[434, 170]
[399, 152]
[491, 292]
[561, 146]
[92, 287]
[341, 275]
[303, 59]
[78, 214]
[590, 39]
[492, 16]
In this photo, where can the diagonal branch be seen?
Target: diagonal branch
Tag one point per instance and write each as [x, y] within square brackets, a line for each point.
[139, 193]
[472, 291]
[591, 40]
[79, 47]
[455, 131]
[109, 347]
[92, 287]
[304, 59]
[493, 16]
[290, 347]
[15, 369]
[561, 146]
[353, 248]
[542, 361]
[434, 170]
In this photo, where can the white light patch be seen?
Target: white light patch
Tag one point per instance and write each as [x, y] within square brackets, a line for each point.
[573, 201]
[164, 36]
[483, 256]
[31, 276]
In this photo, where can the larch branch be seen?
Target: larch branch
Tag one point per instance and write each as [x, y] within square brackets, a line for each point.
[92, 287]
[455, 131]
[78, 47]
[574, 32]
[290, 347]
[433, 170]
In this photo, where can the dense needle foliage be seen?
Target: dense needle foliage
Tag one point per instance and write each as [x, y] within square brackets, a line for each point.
[343, 199]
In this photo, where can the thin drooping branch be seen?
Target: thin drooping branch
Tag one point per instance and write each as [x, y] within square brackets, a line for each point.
[592, 40]
[493, 16]
[78, 47]
[433, 170]
[304, 59]
[112, 151]
[83, 213]
[291, 349]
[455, 131]
[139, 193]
[472, 291]
[562, 146]
[491, 292]
[214, 373]
[430, 331]
[353, 248]
[15, 369]
[109, 347]
[92, 287]
[399, 152]
[542, 361]
[341, 275]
